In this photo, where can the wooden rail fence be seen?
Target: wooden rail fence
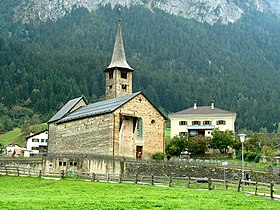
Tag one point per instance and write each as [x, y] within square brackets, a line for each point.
[250, 187]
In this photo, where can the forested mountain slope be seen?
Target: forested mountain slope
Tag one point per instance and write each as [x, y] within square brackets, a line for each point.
[176, 60]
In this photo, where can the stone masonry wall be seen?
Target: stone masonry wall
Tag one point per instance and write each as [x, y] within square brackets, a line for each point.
[153, 126]
[91, 135]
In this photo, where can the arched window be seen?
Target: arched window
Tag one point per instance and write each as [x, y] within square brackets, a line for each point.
[139, 128]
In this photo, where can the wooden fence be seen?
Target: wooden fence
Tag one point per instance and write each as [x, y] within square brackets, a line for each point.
[250, 187]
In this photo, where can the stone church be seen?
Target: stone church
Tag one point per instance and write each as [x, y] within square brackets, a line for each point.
[126, 124]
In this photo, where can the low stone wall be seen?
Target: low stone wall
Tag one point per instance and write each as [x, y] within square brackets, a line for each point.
[270, 159]
[88, 164]
[109, 165]
[189, 170]
[34, 164]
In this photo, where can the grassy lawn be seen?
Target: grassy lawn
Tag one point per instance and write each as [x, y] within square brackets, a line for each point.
[16, 137]
[35, 193]
[10, 136]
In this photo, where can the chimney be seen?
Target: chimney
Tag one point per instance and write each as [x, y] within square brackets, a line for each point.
[194, 104]
[212, 104]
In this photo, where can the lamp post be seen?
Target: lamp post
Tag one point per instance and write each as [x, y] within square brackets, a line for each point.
[242, 139]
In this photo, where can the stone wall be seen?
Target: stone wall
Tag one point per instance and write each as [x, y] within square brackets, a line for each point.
[153, 126]
[270, 160]
[89, 135]
[90, 164]
[187, 170]
[108, 165]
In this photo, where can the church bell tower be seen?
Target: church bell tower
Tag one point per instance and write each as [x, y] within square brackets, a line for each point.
[118, 75]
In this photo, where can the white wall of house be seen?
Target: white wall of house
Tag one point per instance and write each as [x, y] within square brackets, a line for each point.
[187, 122]
[35, 141]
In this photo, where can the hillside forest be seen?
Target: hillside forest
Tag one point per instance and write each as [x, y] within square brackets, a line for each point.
[176, 61]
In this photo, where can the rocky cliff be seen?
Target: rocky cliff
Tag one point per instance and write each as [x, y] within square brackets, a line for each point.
[210, 11]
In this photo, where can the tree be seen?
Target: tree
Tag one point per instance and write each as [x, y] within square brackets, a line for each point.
[198, 144]
[176, 145]
[221, 140]
[2, 148]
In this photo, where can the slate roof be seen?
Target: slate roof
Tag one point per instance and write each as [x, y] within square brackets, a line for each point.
[65, 109]
[101, 107]
[118, 57]
[202, 110]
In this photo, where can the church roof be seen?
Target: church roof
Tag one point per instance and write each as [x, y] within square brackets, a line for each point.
[101, 107]
[65, 109]
[202, 110]
[97, 108]
[119, 58]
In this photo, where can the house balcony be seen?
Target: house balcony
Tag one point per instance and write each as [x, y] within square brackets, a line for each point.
[204, 130]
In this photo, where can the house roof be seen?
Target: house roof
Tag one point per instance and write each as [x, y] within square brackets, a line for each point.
[101, 107]
[65, 109]
[202, 110]
[35, 134]
[118, 57]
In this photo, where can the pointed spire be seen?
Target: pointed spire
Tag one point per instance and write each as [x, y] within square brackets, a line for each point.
[119, 58]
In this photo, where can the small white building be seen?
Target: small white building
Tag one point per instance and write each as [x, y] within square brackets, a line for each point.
[201, 120]
[37, 143]
[15, 150]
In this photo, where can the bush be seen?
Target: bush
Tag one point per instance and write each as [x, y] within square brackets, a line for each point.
[158, 156]
[176, 145]
[248, 156]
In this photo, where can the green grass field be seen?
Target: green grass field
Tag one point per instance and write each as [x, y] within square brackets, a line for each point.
[35, 193]
[16, 137]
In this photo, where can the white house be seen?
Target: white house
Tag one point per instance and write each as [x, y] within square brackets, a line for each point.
[15, 150]
[201, 120]
[37, 143]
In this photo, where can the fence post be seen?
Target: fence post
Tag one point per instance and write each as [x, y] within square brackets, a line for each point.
[17, 171]
[271, 190]
[62, 174]
[239, 185]
[40, 174]
[209, 183]
[226, 184]
[153, 181]
[256, 189]
[108, 177]
[29, 174]
[93, 177]
[170, 181]
[6, 170]
[120, 178]
[189, 182]
[136, 179]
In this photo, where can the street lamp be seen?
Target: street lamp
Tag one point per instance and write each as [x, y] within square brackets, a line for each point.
[242, 139]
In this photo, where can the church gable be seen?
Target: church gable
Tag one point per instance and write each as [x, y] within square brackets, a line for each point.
[140, 128]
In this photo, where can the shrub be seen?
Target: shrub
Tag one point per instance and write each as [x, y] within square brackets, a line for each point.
[176, 145]
[158, 156]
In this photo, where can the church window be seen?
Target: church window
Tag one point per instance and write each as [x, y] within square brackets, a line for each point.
[139, 128]
[124, 75]
[124, 87]
[110, 87]
[110, 75]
